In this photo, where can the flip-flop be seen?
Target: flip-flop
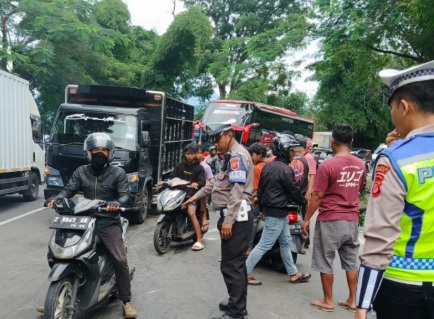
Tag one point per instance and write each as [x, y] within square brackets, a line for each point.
[252, 281]
[197, 246]
[318, 304]
[344, 304]
[303, 278]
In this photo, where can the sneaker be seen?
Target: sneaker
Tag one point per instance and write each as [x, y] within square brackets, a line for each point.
[223, 306]
[129, 311]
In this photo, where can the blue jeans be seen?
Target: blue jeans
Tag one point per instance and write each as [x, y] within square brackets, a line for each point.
[276, 228]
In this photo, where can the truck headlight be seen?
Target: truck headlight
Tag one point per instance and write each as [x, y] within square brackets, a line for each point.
[133, 182]
[53, 177]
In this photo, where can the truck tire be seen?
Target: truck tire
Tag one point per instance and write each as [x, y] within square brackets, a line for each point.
[140, 216]
[32, 193]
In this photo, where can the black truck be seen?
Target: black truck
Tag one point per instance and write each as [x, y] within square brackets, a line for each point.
[149, 130]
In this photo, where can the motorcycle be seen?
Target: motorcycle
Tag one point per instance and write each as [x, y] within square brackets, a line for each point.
[173, 224]
[273, 257]
[82, 277]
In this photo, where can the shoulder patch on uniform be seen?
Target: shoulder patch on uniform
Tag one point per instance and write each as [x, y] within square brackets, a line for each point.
[237, 169]
[380, 172]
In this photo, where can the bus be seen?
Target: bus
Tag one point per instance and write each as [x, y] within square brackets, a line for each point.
[255, 122]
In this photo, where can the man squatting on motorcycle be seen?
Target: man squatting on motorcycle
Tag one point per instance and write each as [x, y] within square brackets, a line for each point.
[232, 184]
[100, 180]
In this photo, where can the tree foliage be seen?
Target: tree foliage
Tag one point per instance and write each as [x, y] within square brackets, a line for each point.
[359, 38]
[251, 38]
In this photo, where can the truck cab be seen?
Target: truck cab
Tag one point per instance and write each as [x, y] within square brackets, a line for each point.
[149, 130]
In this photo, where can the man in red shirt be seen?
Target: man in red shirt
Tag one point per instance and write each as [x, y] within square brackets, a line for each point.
[338, 183]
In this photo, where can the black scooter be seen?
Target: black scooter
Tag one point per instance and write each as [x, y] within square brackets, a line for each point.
[174, 225]
[272, 257]
[82, 276]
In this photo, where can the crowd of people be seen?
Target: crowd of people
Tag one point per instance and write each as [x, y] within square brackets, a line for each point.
[394, 275]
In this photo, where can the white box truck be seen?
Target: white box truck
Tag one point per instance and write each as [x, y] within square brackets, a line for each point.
[22, 155]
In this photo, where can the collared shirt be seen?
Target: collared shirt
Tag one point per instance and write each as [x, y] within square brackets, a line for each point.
[384, 211]
[230, 187]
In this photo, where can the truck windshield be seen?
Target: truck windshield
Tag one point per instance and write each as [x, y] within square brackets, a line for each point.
[72, 127]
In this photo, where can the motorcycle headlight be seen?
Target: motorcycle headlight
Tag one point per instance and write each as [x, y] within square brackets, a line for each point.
[72, 246]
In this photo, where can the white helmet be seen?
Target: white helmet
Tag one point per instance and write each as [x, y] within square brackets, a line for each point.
[95, 140]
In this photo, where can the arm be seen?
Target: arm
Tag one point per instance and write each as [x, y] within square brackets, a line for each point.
[201, 179]
[123, 189]
[314, 203]
[381, 229]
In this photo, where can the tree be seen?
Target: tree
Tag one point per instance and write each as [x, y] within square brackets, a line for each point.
[359, 38]
[251, 38]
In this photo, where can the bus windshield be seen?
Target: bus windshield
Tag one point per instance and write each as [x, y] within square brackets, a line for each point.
[72, 127]
[221, 112]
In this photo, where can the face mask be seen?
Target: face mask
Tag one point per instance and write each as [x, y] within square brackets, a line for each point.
[99, 161]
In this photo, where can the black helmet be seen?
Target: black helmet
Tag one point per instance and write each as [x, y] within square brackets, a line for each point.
[95, 140]
[281, 145]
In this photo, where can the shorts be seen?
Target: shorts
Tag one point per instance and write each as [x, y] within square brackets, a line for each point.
[340, 235]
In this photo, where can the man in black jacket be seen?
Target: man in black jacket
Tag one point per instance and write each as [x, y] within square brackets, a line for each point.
[276, 191]
[100, 180]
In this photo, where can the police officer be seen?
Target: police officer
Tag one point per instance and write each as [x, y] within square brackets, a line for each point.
[397, 264]
[231, 189]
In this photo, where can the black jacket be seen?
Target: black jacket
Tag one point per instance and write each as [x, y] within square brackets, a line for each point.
[193, 173]
[110, 185]
[277, 189]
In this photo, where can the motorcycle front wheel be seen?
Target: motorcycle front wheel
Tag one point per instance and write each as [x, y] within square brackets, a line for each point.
[58, 300]
[162, 237]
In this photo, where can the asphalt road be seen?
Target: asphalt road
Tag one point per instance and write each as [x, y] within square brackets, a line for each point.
[181, 284]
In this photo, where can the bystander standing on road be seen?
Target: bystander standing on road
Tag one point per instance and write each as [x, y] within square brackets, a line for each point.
[211, 159]
[277, 189]
[306, 144]
[397, 264]
[232, 191]
[258, 152]
[336, 194]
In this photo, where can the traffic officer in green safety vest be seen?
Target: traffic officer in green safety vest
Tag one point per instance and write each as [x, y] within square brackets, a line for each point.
[397, 264]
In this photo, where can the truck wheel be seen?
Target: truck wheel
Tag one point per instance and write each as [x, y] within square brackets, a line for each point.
[140, 216]
[58, 299]
[32, 194]
[162, 237]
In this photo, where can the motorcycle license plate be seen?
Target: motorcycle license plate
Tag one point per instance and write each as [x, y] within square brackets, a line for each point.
[295, 228]
[70, 222]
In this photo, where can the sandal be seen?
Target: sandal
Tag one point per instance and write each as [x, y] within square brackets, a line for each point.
[197, 246]
[252, 281]
[318, 304]
[303, 278]
[345, 305]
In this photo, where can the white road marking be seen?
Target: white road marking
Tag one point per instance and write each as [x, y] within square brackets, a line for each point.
[7, 221]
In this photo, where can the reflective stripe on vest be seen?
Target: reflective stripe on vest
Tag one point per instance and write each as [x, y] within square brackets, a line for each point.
[413, 258]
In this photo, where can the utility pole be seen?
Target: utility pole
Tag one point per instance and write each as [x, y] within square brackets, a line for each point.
[4, 60]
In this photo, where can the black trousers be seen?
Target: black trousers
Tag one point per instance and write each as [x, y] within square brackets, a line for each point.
[111, 236]
[233, 265]
[400, 301]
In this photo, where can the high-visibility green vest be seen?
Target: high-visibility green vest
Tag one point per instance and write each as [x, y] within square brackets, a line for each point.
[413, 161]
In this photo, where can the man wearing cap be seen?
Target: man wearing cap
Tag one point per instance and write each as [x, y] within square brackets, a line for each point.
[231, 191]
[397, 264]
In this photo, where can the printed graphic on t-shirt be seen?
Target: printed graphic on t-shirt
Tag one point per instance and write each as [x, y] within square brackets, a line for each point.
[237, 170]
[350, 176]
[298, 168]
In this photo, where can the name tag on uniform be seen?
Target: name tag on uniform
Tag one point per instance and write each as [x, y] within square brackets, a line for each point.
[238, 176]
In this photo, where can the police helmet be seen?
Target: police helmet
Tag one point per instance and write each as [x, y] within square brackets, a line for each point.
[95, 140]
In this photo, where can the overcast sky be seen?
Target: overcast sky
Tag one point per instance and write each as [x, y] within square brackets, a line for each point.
[153, 14]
